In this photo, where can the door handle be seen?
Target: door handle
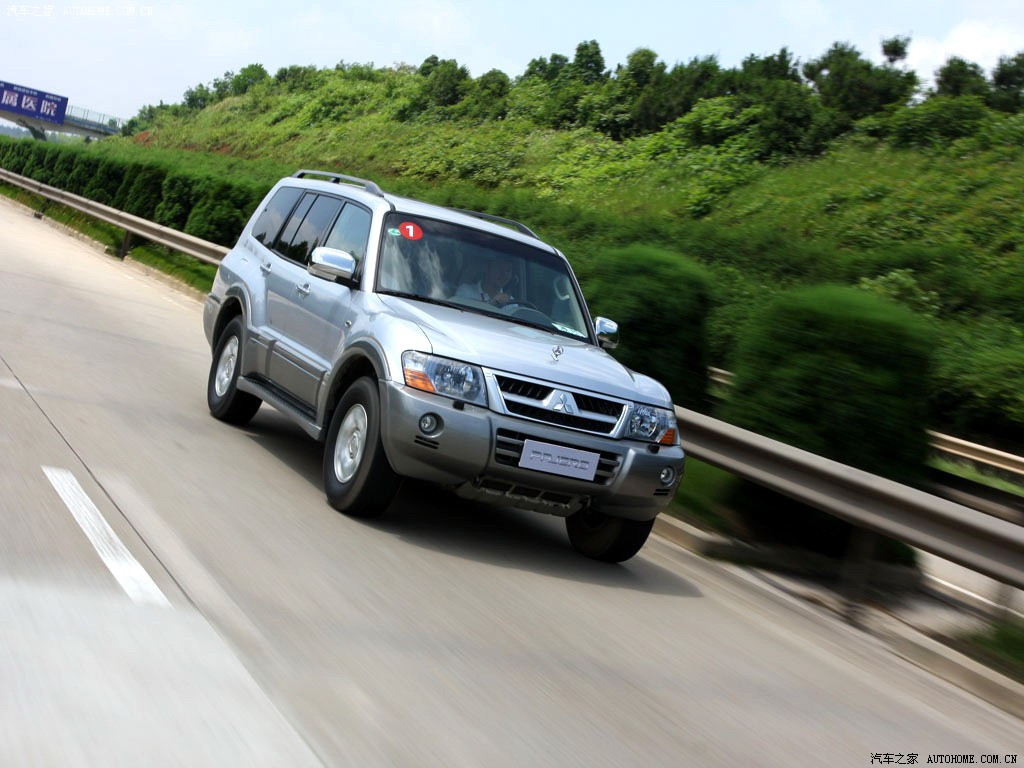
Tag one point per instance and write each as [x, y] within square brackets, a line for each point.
[265, 268]
[303, 289]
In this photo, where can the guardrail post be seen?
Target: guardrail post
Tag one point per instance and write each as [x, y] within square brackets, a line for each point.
[1004, 603]
[126, 245]
[856, 570]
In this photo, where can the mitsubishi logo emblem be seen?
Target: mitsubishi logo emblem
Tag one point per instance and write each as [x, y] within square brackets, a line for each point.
[564, 404]
[556, 352]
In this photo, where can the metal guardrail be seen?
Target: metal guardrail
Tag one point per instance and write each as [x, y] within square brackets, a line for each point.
[985, 544]
[963, 535]
[954, 446]
[979, 454]
[200, 249]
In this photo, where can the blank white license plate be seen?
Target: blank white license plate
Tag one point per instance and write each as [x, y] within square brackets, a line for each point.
[559, 460]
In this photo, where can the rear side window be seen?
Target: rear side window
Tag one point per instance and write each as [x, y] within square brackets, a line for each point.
[311, 231]
[269, 222]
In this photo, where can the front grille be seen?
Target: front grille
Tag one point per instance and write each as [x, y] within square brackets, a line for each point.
[508, 449]
[522, 388]
[545, 403]
[559, 418]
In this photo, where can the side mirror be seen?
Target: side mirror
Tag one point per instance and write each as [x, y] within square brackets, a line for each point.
[607, 332]
[331, 264]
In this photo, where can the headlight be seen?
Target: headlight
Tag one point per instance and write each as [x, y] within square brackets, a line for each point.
[451, 378]
[655, 425]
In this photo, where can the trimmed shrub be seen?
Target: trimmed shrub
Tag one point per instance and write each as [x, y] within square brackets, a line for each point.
[840, 373]
[141, 191]
[82, 173]
[177, 196]
[661, 301]
[221, 211]
[105, 182]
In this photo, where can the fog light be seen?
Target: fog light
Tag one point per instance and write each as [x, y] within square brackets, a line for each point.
[667, 476]
[429, 423]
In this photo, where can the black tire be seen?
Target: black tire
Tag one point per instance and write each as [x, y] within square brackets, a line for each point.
[609, 539]
[222, 395]
[358, 479]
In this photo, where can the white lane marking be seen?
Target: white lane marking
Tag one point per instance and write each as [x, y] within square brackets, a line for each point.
[115, 555]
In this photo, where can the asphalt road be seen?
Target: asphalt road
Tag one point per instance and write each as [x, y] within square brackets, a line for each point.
[242, 621]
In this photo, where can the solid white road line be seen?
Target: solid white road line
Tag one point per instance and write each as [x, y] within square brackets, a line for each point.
[126, 569]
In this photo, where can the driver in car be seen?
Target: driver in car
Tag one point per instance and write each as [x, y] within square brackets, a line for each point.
[493, 286]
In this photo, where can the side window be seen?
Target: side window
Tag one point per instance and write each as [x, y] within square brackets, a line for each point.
[269, 222]
[288, 233]
[313, 230]
[351, 231]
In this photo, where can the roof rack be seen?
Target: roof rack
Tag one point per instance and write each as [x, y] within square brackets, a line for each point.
[499, 220]
[337, 178]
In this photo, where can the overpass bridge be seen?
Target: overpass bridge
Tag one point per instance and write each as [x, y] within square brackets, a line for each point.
[39, 112]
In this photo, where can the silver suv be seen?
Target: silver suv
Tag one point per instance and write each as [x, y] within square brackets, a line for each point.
[444, 345]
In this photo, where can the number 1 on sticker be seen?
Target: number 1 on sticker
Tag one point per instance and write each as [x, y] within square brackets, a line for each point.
[410, 231]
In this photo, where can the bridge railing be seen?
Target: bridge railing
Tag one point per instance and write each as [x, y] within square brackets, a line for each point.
[980, 542]
[89, 116]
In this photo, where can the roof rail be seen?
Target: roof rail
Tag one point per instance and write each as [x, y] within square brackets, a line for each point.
[337, 178]
[499, 220]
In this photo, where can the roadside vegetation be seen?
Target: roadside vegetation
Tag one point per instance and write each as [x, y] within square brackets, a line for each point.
[762, 178]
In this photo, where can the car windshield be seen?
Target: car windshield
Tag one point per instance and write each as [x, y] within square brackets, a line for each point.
[445, 263]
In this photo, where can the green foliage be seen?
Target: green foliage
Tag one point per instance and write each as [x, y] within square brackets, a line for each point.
[221, 211]
[959, 77]
[977, 384]
[1008, 84]
[839, 373]
[854, 86]
[937, 121]
[105, 182]
[669, 343]
[177, 195]
[141, 191]
[901, 285]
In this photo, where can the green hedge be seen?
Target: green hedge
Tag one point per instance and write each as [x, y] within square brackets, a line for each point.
[209, 208]
[661, 302]
[840, 373]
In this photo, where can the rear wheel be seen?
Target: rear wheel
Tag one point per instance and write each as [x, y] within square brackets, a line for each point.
[222, 395]
[605, 538]
[358, 479]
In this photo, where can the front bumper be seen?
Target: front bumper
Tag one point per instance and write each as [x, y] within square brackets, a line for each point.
[477, 451]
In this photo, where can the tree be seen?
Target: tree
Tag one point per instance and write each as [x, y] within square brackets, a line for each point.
[248, 77]
[428, 65]
[855, 87]
[588, 65]
[959, 77]
[197, 98]
[488, 96]
[446, 83]
[895, 49]
[1007, 92]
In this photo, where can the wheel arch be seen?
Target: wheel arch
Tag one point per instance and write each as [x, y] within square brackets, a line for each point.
[234, 304]
[361, 360]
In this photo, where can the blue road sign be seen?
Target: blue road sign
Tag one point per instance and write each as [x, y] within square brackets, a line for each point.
[32, 103]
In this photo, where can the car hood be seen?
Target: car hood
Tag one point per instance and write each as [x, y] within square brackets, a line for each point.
[499, 345]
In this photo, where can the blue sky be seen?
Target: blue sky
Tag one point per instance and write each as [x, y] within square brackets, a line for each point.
[116, 58]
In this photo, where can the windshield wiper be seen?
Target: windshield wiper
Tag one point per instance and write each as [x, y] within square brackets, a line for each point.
[425, 299]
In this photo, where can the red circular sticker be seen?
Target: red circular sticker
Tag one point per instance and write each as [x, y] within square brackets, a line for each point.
[410, 231]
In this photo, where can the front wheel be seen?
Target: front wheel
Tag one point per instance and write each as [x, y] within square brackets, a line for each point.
[222, 395]
[609, 539]
[358, 479]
